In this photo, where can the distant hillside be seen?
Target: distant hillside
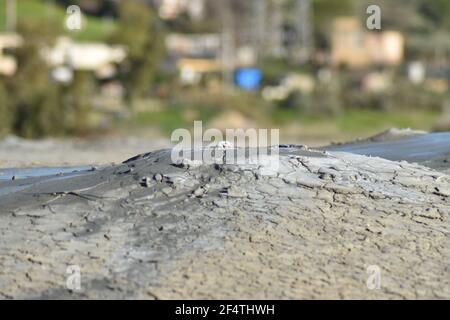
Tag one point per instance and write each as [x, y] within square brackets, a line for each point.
[94, 28]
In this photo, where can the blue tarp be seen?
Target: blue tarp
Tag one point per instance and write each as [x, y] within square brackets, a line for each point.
[248, 78]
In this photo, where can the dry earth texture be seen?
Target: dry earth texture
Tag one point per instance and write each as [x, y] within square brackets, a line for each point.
[151, 229]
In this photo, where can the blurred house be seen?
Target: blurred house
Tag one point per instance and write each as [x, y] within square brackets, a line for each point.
[65, 57]
[8, 63]
[355, 47]
[194, 55]
[207, 45]
[376, 82]
[97, 57]
[192, 70]
[293, 82]
[171, 9]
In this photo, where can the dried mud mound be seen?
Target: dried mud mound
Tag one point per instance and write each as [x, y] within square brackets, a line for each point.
[150, 229]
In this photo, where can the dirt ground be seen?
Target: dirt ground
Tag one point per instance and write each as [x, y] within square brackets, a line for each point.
[20, 153]
[51, 152]
[316, 226]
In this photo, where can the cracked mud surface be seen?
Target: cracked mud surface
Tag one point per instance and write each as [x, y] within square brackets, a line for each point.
[148, 229]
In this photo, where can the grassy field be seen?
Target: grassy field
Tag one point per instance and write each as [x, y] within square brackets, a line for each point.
[355, 124]
[296, 127]
[94, 29]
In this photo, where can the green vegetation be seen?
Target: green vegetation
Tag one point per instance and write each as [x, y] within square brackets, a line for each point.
[35, 105]
[76, 101]
[95, 29]
[350, 124]
[37, 111]
[355, 121]
[197, 105]
[326, 10]
[5, 111]
[361, 120]
[165, 120]
[143, 38]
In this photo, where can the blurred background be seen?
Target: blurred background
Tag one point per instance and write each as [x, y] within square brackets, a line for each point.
[130, 72]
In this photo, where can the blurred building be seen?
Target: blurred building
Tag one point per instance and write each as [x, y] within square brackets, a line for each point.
[205, 45]
[65, 57]
[293, 82]
[275, 28]
[68, 55]
[355, 47]
[171, 9]
[194, 55]
[192, 70]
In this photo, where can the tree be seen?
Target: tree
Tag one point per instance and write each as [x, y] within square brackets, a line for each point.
[76, 100]
[141, 33]
[325, 10]
[6, 112]
[437, 12]
[36, 109]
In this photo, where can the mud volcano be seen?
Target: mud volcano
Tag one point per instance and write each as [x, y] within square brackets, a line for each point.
[154, 230]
